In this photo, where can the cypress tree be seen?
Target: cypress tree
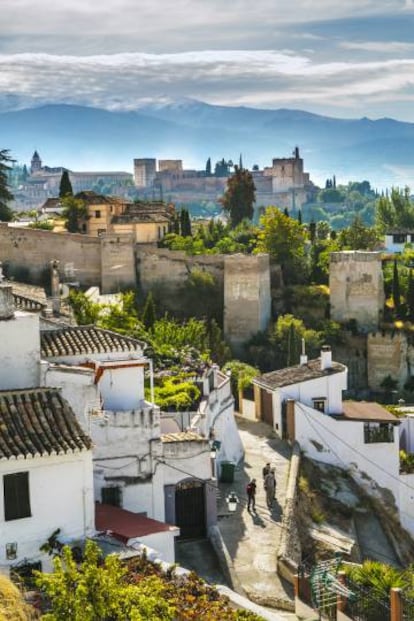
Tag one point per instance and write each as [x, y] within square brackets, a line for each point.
[208, 167]
[300, 216]
[396, 293]
[148, 314]
[286, 212]
[65, 188]
[410, 296]
[312, 231]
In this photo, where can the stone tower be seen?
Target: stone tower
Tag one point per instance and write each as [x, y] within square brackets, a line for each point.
[356, 288]
[247, 299]
[36, 163]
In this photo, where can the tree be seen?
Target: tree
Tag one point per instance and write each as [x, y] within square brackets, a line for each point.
[358, 236]
[395, 211]
[75, 212]
[148, 314]
[65, 188]
[300, 216]
[240, 196]
[284, 239]
[97, 590]
[287, 337]
[6, 213]
[185, 223]
[410, 295]
[208, 167]
[396, 292]
[241, 377]
[312, 231]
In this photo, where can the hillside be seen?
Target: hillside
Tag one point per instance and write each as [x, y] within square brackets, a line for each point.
[90, 138]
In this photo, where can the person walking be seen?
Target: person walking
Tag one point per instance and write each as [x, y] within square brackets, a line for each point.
[251, 495]
[270, 487]
[266, 470]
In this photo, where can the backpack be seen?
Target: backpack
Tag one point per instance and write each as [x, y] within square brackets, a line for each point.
[249, 488]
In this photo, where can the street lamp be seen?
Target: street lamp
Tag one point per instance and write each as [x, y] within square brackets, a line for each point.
[232, 501]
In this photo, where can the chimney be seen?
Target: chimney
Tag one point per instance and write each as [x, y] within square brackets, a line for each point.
[6, 302]
[326, 357]
[303, 356]
[55, 286]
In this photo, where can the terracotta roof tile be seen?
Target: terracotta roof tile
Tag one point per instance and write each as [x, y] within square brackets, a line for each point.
[125, 525]
[78, 340]
[297, 374]
[367, 411]
[38, 421]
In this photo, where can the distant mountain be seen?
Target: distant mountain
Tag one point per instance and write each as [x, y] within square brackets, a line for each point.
[85, 138]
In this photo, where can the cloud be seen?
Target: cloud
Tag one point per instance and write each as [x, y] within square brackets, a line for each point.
[268, 78]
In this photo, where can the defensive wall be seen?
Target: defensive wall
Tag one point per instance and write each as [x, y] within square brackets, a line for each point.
[107, 262]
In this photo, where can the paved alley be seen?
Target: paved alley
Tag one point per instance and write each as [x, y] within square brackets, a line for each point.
[252, 539]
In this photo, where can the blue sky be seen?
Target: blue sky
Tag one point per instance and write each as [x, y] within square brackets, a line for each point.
[352, 59]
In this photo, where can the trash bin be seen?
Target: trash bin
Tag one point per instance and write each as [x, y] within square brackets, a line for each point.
[227, 471]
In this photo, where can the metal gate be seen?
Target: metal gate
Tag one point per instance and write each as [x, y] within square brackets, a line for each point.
[190, 511]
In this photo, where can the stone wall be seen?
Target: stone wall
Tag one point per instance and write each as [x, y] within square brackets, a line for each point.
[107, 262]
[356, 288]
[389, 353]
[289, 553]
[247, 299]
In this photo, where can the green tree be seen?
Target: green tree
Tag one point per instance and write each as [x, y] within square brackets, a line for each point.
[358, 236]
[86, 312]
[300, 216]
[396, 291]
[410, 295]
[75, 213]
[240, 196]
[148, 314]
[287, 337]
[65, 187]
[284, 239]
[395, 211]
[241, 377]
[312, 231]
[97, 590]
[208, 167]
[6, 161]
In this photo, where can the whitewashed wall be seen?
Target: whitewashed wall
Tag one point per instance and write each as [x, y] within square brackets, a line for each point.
[20, 351]
[77, 386]
[162, 542]
[406, 504]
[328, 386]
[61, 496]
[122, 388]
[341, 443]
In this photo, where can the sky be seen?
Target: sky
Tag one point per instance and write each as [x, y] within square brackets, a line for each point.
[352, 58]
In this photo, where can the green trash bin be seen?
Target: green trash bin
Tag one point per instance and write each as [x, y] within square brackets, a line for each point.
[227, 471]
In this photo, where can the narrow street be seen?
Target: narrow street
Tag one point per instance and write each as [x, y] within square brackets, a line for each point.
[252, 538]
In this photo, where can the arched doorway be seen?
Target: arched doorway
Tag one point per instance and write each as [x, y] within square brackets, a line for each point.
[190, 510]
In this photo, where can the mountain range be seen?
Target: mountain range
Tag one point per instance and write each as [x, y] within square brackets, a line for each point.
[87, 138]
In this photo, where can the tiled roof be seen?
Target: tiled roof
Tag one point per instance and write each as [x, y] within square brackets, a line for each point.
[297, 374]
[182, 436]
[38, 421]
[367, 411]
[75, 341]
[125, 525]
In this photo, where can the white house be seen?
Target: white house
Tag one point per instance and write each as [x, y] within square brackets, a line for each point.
[395, 241]
[45, 455]
[315, 383]
[136, 467]
[304, 404]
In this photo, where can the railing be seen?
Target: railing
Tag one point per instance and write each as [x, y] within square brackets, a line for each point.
[378, 434]
[366, 605]
[407, 608]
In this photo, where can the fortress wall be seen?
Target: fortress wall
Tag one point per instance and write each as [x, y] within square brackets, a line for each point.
[26, 254]
[247, 296]
[117, 262]
[356, 288]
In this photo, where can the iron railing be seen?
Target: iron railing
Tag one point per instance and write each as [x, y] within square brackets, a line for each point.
[366, 605]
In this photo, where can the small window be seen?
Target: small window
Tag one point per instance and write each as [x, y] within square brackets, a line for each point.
[97, 213]
[16, 496]
[111, 496]
[399, 238]
[101, 232]
[319, 404]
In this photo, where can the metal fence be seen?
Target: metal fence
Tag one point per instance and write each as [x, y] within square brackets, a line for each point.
[366, 605]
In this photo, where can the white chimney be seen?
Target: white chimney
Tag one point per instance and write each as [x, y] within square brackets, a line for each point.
[303, 356]
[326, 357]
[6, 302]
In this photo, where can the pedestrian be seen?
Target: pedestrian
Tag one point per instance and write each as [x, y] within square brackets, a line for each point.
[266, 470]
[251, 494]
[270, 487]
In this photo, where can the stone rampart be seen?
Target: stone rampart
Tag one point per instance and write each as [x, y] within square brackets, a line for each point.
[389, 354]
[356, 288]
[247, 297]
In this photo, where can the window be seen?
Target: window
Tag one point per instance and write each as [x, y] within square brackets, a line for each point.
[319, 404]
[378, 432]
[111, 496]
[97, 213]
[101, 232]
[16, 496]
[399, 238]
